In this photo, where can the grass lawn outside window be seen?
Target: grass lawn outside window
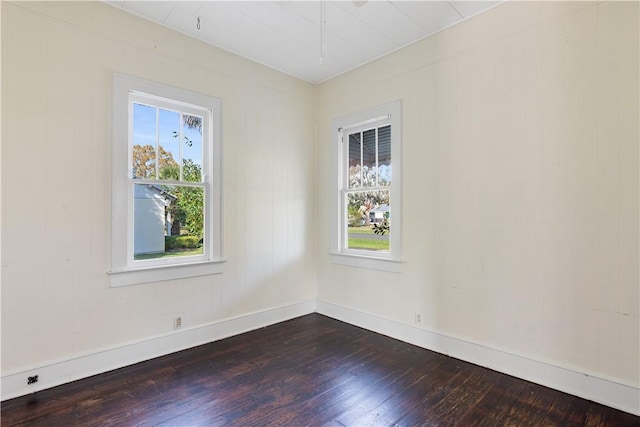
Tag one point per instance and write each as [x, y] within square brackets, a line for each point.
[364, 238]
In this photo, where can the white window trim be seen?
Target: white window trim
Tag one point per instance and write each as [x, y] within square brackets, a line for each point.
[124, 271]
[389, 113]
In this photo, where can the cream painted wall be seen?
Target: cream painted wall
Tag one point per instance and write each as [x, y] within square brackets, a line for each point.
[57, 61]
[520, 171]
[520, 151]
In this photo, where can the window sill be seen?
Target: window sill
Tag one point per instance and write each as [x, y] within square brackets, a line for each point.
[138, 276]
[369, 262]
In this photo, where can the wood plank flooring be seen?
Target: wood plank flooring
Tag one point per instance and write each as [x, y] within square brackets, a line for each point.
[309, 371]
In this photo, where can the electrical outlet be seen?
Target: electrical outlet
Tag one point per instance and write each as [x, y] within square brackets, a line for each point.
[177, 322]
[32, 380]
[417, 318]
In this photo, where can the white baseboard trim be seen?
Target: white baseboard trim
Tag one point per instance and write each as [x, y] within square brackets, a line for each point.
[14, 384]
[608, 392]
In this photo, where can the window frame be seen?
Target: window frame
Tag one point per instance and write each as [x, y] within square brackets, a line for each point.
[375, 117]
[124, 270]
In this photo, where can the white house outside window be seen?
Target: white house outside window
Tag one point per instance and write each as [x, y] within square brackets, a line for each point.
[166, 183]
[367, 221]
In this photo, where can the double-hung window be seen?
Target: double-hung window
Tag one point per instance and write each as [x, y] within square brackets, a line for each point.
[367, 221]
[166, 185]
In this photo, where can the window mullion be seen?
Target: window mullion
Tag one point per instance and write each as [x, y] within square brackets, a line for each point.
[345, 219]
[377, 167]
[169, 182]
[180, 140]
[361, 159]
[157, 143]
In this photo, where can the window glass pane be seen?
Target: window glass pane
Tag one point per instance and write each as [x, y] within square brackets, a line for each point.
[192, 148]
[168, 221]
[144, 141]
[369, 158]
[355, 167]
[168, 144]
[384, 156]
[368, 211]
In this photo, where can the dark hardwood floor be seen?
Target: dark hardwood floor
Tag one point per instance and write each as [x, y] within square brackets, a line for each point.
[313, 371]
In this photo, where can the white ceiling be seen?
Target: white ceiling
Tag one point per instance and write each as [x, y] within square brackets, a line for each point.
[286, 35]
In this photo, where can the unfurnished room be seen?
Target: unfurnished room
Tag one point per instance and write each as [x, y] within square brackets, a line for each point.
[320, 213]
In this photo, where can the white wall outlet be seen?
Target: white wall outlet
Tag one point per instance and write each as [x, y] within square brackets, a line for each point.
[177, 322]
[417, 318]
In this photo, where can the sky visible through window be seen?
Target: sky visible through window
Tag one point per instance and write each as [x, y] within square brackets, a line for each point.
[168, 128]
